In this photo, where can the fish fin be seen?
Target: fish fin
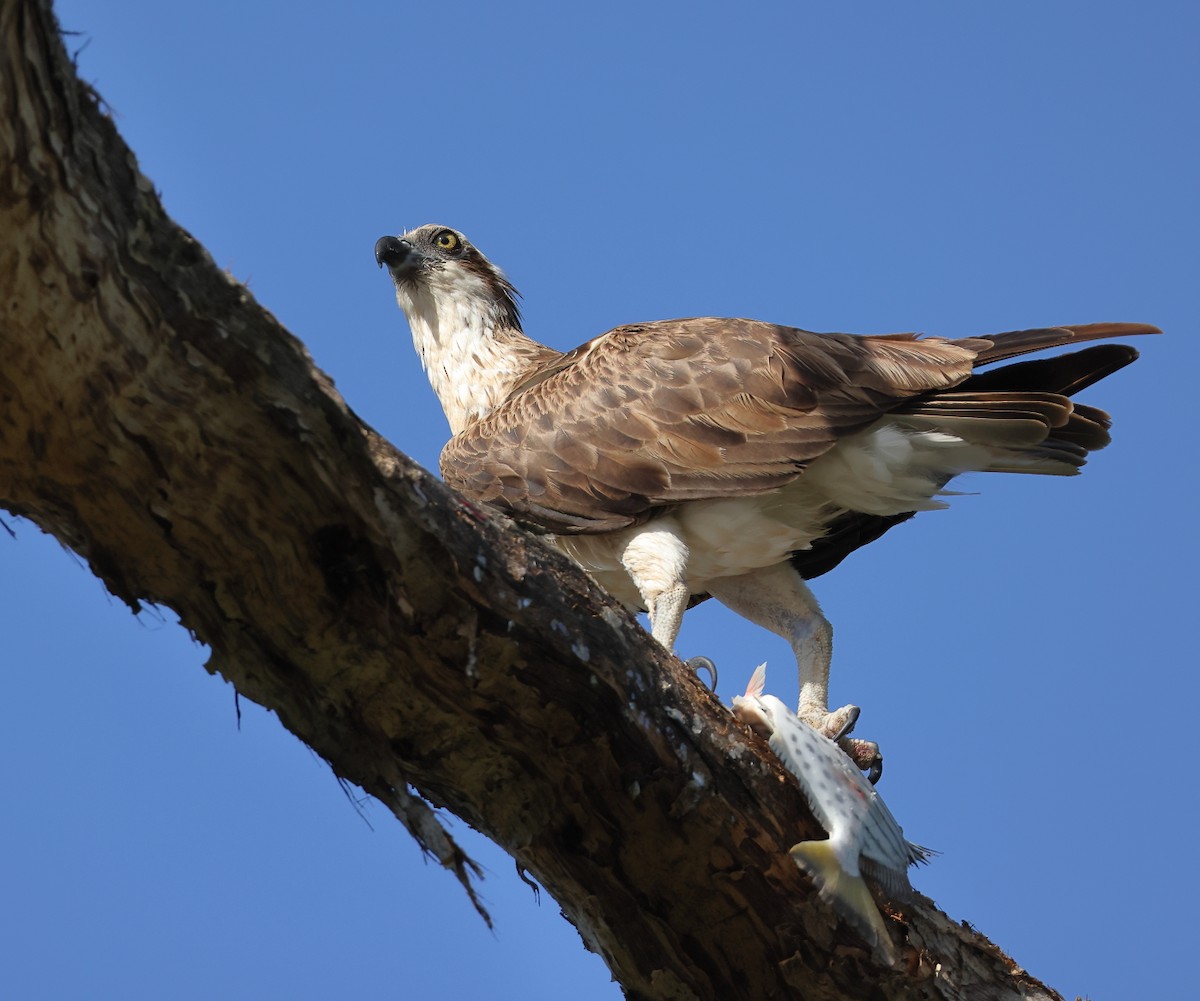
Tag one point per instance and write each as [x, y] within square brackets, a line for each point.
[847, 893]
[919, 854]
[758, 681]
[892, 882]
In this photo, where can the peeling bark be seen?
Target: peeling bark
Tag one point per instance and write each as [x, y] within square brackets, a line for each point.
[158, 421]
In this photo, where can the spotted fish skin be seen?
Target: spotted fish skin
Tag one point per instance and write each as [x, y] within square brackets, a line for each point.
[863, 834]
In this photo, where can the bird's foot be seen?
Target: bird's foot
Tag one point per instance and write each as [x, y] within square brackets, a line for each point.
[866, 755]
[699, 664]
[836, 726]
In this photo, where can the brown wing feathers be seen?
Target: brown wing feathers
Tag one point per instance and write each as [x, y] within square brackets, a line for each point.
[647, 416]
[1026, 405]
[1065, 374]
[1034, 384]
[656, 414]
[1019, 342]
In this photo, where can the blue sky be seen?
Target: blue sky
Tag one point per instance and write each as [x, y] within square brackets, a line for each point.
[1026, 659]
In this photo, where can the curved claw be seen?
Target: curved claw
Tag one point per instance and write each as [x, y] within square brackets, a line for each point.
[865, 755]
[848, 725]
[698, 664]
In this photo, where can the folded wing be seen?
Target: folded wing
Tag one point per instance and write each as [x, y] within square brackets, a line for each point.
[651, 415]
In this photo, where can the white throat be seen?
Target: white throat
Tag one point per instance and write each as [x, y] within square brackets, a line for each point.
[472, 357]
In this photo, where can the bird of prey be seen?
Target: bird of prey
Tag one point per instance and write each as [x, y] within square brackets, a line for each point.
[863, 834]
[731, 458]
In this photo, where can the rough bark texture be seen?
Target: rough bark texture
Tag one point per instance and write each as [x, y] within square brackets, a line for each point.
[163, 425]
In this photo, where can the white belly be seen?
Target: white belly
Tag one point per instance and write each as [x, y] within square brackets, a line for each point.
[724, 538]
[884, 470]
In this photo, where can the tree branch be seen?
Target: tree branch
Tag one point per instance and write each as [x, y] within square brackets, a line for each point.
[163, 425]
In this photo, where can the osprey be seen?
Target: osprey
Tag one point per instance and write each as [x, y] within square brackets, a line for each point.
[730, 458]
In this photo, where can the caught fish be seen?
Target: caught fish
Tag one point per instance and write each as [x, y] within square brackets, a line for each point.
[863, 834]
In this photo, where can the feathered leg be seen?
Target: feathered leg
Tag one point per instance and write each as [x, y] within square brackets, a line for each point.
[777, 599]
[656, 560]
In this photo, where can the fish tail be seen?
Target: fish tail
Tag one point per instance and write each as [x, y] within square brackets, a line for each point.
[847, 893]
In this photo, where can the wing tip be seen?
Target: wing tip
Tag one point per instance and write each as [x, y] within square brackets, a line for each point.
[1013, 343]
[1112, 329]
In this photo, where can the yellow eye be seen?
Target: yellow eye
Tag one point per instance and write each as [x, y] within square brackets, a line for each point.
[447, 240]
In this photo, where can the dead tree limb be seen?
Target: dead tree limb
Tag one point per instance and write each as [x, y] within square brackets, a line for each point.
[158, 421]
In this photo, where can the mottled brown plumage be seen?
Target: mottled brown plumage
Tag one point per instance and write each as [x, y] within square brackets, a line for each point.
[650, 415]
[731, 457]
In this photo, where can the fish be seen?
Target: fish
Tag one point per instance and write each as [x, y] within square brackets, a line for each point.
[864, 837]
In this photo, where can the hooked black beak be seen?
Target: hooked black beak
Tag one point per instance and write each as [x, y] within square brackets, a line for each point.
[393, 252]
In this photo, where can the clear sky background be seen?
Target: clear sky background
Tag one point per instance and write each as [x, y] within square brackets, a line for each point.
[1027, 659]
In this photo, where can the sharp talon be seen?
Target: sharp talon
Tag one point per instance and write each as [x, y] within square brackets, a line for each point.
[698, 664]
[865, 755]
[834, 725]
[848, 725]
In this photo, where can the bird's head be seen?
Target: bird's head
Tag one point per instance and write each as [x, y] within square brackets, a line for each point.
[439, 275]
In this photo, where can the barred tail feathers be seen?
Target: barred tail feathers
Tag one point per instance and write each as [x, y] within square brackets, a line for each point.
[847, 893]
